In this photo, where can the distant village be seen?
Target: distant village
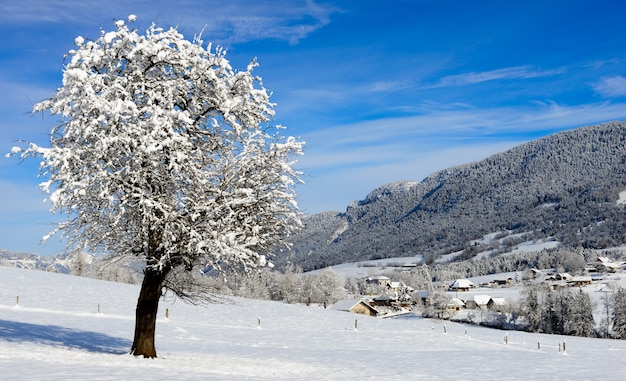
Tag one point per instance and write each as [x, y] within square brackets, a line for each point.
[396, 298]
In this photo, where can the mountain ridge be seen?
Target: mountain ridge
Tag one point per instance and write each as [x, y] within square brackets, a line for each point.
[564, 185]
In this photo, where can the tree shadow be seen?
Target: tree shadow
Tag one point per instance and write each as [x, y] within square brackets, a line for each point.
[57, 336]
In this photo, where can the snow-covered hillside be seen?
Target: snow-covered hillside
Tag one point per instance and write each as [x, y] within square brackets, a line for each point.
[56, 333]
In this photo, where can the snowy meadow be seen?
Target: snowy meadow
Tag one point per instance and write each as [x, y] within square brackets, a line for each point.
[61, 327]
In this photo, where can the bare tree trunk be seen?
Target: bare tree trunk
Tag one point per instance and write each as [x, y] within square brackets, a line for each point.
[146, 313]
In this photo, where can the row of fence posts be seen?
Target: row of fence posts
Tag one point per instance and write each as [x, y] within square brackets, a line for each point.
[506, 342]
[167, 310]
[445, 331]
[356, 327]
[562, 346]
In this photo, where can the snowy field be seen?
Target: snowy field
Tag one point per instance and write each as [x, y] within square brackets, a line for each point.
[57, 333]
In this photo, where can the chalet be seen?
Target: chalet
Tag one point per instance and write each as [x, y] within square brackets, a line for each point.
[379, 280]
[461, 285]
[384, 300]
[454, 305]
[485, 302]
[502, 281]
[496, 304]
[355, 306]
[605, 265]
[478, 302]
[580, 281]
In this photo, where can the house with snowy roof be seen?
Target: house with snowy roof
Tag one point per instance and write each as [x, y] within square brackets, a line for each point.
[580, 281]
[605, 265]
[379, 280]
[497, 304]
[485, 302]
[455, 304]
[461, 285]
[355, 306]
[478, 302]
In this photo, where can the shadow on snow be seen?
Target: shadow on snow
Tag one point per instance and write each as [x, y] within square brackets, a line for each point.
[62, 337]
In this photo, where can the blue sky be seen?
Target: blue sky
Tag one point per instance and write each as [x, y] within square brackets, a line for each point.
[380, 91]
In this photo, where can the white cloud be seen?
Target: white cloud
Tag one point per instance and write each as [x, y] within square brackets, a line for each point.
[232, 21]
[344, 163]
[518, 72]
[289, 21]
[387, 86]
[610, 87]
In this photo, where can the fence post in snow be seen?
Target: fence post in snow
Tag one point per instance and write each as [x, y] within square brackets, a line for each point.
[258, 321]
[356, 324]
[98, 309]
[17, 300]
[538, 345]
[167, 313]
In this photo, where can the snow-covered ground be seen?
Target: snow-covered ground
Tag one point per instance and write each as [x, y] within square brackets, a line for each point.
[56, 333]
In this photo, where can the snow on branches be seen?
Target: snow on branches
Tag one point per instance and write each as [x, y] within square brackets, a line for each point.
[164, 152]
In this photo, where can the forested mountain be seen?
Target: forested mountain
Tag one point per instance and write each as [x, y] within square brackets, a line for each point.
[563, 187]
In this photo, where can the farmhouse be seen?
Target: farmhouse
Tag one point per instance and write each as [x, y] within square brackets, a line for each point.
[478, 302]
[605, 265]
[355, 306]
[580, 281]
[461, 285]
[497, 304]
[454, 305]
[502, 281]
[380, 280]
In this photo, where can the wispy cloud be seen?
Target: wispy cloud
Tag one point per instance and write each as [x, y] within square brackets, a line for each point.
[610, 87]
[288, 21]
[518, 72]
[347, 161]
[396, 140]
[388, 86]
[232, 21]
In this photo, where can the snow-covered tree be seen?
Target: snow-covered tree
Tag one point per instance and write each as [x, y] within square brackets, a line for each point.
[79, 262]
[165, 153]
[327, 287]
[352, 286]
[530, 306]
[582, 323]
[290, 286]
[619, 314]
[436, 305]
